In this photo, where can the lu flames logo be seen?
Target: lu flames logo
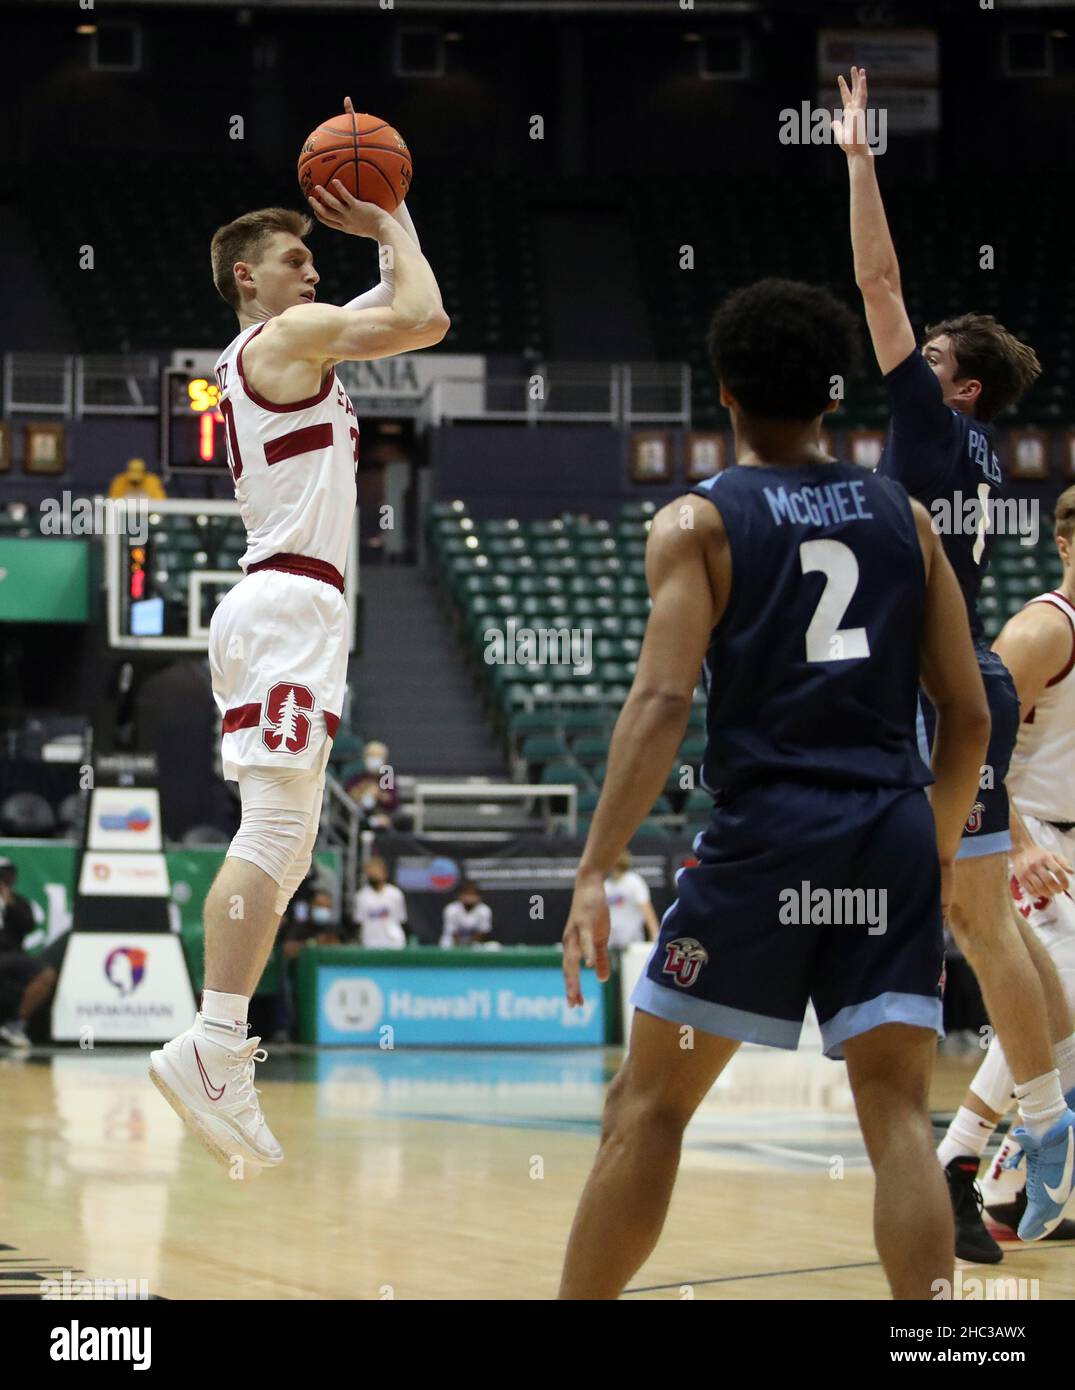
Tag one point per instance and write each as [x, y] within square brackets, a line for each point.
[124, 968]
[974, 820]
[683, 959]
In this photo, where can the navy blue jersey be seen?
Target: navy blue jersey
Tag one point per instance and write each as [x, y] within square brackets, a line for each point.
[946, 460]
[812, 672]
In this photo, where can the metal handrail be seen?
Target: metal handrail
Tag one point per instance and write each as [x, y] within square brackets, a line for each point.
[493, 791]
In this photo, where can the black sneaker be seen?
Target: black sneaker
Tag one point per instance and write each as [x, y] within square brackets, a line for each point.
[973, 1241]
[1011, 1213]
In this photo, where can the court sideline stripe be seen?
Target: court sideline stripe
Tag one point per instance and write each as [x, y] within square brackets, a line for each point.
[766, 1274]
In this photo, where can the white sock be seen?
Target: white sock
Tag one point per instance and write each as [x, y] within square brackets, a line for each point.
[1040, 1102]
[1064, 1057]
[967, 1134]
[225, 1013]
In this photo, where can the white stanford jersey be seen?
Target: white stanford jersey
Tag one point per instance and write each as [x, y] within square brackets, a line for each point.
[293, 465]
[1042, 773]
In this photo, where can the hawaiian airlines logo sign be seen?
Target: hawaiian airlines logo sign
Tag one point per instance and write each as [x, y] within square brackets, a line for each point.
[137, 818]
[287, 714]
[125, 967]
[683, 959]
[124, 818]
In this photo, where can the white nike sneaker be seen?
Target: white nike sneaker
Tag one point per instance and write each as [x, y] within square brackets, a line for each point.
[210, 1086]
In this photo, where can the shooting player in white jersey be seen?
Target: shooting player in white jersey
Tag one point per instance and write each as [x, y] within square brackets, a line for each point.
[1038, 647]
[278, 641]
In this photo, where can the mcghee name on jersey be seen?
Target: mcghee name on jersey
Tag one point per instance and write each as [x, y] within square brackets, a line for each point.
[293, 465]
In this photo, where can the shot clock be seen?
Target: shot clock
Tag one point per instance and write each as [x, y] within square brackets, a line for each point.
[192, 426]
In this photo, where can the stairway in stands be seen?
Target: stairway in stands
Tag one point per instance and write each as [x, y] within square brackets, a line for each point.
[411, 686]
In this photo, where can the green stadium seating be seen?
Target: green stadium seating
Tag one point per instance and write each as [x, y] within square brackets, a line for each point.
[566, 772]
[590, 750]
[541, 748]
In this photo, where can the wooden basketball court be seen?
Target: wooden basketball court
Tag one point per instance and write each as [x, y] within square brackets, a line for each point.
[441, 1175]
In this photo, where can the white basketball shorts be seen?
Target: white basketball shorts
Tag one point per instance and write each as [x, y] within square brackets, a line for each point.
[278, 657]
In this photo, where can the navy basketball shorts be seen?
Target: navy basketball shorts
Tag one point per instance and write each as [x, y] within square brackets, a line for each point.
[804, 893]
[987, 830]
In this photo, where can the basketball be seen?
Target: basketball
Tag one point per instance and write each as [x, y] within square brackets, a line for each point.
[367, 155]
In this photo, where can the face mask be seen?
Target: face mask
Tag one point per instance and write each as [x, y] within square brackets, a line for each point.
[373, 765]
[321, 915]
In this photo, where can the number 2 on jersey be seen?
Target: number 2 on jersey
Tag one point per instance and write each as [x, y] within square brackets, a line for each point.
[825, 639]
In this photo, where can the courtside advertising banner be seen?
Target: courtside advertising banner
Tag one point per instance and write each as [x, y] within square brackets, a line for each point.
[123, 987]
[436, 1007]
[123, 875]
[125, 818]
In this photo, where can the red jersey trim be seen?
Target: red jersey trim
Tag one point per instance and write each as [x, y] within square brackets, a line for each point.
[301, 564]
[241, 717]
[305, 441]
[249, 717]
[270, 405]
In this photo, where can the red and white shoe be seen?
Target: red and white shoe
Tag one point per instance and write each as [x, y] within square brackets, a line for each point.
[209, 1083]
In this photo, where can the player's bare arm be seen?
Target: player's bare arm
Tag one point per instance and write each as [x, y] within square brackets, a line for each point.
[951, 679]
[877, 271]
[288, 359]
[1035, 645]
[322, 333]
[688, 570]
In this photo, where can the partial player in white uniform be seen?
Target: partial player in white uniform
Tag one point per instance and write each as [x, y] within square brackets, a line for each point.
[630, 910]
[380, 909]
[1038, 647]
[467, 921]
[278, 642]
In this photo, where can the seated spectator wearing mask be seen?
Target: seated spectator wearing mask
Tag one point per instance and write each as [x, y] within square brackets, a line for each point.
[320, 926]
[378, 803]
[136, 482]
[630, 910]
[310, 920]
[380, 909]
[26, 982]
[467, 921]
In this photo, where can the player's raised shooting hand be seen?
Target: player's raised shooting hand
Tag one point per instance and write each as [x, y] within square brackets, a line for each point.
[849, 131]
[341, 210]
[586, 934]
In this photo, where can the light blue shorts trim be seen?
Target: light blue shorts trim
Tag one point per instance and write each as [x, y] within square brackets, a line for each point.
[669, 1004]
[978, 846]
[913, 1009]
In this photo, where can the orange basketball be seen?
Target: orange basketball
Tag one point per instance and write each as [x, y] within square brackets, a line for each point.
[366, 154]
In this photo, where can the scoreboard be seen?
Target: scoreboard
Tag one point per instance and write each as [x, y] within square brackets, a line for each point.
[192, 427]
